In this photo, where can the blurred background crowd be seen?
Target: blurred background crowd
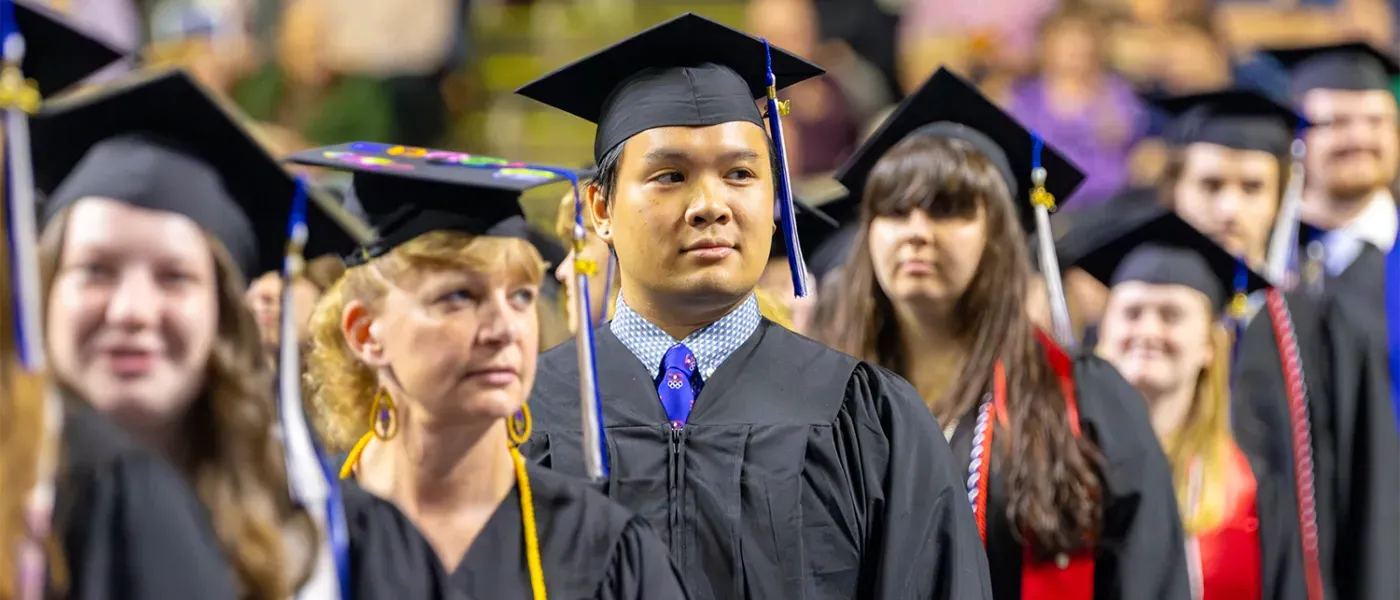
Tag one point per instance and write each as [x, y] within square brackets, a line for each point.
[440, 73]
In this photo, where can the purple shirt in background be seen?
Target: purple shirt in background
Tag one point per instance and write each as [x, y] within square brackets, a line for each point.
[1105, 166]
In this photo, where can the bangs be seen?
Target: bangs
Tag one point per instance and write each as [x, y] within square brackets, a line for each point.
[945, 178]
[514, 257]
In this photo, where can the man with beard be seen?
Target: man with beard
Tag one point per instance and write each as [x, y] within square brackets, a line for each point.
[1316, 363]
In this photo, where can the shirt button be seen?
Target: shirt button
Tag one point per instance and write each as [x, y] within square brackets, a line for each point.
[1062, 561]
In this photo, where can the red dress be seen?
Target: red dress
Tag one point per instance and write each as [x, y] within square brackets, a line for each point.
[1231, 563]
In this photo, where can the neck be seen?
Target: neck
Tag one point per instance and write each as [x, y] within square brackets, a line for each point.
[1329, 211]
[680, 315]
[1169, 408]
[929, 335]
[436, 468]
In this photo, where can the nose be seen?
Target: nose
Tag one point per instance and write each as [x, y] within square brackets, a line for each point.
[565, 271]
[135, 302]
[919, 228]
[707, 207]
[501, 322]
[1227, 205]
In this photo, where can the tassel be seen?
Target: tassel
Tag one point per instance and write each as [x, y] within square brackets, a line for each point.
[1044, 204]
[20, 97]
[1282, 263]
[787, 212]
[308, 478]
[595, 445]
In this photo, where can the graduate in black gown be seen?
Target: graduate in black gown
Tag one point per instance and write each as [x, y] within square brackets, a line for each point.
[105, 487]
[1072, 494]
[159, 205]
[423, 355]
[800, 471]
[1316, 362]
[1167, 332]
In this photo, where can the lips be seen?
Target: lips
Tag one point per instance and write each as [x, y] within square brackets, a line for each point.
[915, 267]
[494, 376]
[129, 362]
[709, 248]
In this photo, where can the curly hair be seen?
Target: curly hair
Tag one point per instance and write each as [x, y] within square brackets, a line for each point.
[341, 387]
[235, 462]
[1052, 476]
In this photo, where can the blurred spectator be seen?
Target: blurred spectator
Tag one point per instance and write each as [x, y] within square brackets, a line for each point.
[821, 129]
[299, 91]
[973, 38]
[860, 53]
[1080, 106]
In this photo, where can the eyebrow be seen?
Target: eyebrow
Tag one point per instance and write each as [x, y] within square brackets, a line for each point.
[684, 156]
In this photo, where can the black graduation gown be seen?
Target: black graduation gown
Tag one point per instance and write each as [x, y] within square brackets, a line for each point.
[389, 558]
[1356, 453]
[1141, 554]
[130, 526]
[590, 548]
[801, 473]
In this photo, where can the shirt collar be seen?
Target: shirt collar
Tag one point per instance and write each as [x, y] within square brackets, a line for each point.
[1377, 223]
[712, 344]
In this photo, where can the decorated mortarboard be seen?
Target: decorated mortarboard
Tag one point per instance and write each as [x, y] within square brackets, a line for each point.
[1237, 119]
[57, 52]
[948, 106]
[1160, 248]
[406, 192]
[1038, 177]
[1354, 66]
[688, 71]
[161, 141]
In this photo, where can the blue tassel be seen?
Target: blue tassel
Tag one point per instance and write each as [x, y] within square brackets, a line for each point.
[787, 212]
[308, 478]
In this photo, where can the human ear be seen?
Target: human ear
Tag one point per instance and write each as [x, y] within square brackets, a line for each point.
[362, 334]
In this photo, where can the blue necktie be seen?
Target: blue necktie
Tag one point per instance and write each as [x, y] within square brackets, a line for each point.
[675, 388]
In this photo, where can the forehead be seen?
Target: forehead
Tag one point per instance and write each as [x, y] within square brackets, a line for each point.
[697, 143]
[1213, 158]
[1143, 294]
[1324, 105]
[116, 225]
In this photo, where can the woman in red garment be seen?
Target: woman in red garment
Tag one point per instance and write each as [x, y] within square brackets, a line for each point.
[1164, 331]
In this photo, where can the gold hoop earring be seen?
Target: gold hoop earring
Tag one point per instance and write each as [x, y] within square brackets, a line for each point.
[518, 426]
[383, 416]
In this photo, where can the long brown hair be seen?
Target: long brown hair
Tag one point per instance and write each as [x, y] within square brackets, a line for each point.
[235, 463]
[1051, 475]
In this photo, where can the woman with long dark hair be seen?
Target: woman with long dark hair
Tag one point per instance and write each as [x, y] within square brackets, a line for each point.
[160, 205]
[1071, 496]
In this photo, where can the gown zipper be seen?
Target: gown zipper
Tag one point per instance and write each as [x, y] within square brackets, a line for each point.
[674, 475]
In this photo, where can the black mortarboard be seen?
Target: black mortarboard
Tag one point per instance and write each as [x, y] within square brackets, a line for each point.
[57, 52]
[688, 71]
[1161, 248]
[407, 192]
[813, 226]
[1238, 119]
[947, 106]
[161, 141]
[1355, 66]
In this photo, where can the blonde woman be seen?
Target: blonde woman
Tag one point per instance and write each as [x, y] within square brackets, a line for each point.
[424, 353]
[1164, 331]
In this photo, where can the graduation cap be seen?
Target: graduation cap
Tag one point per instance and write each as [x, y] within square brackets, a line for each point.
[948, 106]
[1238, 119]
[1355, 66]
[1163, 249]
[407, 192]
[161, 141]
[688, 71]
[57, 52]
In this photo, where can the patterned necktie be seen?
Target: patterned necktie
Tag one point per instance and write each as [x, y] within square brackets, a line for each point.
[675, 388]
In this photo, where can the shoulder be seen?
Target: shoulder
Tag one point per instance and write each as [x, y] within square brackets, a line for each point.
[1114, 411]
[563, 357]
[578, 502]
